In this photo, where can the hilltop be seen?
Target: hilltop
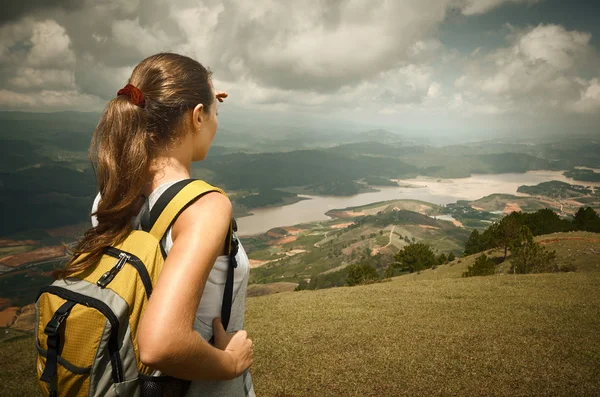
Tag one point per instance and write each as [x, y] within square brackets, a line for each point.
[580, 249]
[533, 335]
[528, 335]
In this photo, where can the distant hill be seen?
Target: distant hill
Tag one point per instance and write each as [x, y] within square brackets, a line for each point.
[583, 175]
[379, 135]
[369, 234]
[555, 189]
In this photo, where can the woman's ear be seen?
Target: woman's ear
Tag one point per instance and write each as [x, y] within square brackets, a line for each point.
[198, 117]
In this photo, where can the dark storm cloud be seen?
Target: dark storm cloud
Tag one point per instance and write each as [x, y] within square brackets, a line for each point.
[13, 10]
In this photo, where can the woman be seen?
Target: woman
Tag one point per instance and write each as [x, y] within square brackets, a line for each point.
[165, 118]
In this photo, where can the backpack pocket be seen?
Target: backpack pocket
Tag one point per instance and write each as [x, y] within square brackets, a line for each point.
[76, 332]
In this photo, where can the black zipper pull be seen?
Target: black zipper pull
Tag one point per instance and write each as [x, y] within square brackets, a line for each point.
[109, 275]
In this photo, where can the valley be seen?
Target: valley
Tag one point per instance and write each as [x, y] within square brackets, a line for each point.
[309, 215]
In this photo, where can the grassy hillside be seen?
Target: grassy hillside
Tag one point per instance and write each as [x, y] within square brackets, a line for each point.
[581, 249]
[433, 333]
[532, 335]
[367, 234]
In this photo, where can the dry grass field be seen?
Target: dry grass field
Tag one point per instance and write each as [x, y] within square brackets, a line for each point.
[504, 335]
[530, 335]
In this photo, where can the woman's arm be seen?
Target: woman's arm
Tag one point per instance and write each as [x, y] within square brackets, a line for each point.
[167, 340]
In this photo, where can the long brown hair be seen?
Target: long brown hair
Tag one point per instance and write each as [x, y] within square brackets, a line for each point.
[126, 140]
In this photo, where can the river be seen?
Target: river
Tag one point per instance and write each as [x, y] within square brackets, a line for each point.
[431, 190]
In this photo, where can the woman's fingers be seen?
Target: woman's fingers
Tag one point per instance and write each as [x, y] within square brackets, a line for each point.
[240, 348]
[221, 95]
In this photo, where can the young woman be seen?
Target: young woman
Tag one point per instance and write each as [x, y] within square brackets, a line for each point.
[146, 140]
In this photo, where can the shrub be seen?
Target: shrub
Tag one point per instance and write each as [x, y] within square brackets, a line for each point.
[416, 257]
[483, 266]
[302, 285]
[531, 257]
[361, 274]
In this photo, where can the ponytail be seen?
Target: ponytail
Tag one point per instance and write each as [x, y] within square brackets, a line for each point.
[120, 155]
[134, 127]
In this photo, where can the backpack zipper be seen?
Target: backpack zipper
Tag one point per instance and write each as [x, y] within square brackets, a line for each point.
[110, 275]
[113, 342]
[133, 261]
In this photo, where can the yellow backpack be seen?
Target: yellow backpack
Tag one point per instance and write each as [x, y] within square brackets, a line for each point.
[87, 324]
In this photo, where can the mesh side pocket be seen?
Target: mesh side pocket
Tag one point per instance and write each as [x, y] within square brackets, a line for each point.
[163, 386]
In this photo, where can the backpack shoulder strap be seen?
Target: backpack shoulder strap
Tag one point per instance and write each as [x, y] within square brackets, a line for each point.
[166, 210]
[172, 203]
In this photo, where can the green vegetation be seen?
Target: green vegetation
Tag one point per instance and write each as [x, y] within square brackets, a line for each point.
[555, 189]
[45, 197]
[584, 175]
[413, 258]
[498, 203]
[361, 274]
[483, 266]
[267, 197]
[515, 232]
[527, 256]
[46, 180]
[504, 233]
[337, 188]
[587, 219]
[575, 251]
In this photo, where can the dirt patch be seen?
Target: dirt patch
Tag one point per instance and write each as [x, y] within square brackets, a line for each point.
[284, 240]
[342, 225]
[558, 240]
[294, 252]
[292, 230]
[477, 208]
[7, 316]
[68, 231]
[32, 256]
[25, 320]
[428, 227]
[15, 243]
[423, 209]
[274, 234]
[351, 248]
[457, 223]
[511, 207]
[256, 263]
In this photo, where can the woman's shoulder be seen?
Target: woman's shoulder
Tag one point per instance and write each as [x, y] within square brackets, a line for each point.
[212, 209]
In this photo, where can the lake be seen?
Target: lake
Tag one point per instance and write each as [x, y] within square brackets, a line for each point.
[431, 190]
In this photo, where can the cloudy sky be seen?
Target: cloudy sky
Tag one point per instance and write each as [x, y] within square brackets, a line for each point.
[443, 65]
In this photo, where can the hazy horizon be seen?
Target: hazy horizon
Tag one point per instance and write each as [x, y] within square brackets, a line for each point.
[449, 69]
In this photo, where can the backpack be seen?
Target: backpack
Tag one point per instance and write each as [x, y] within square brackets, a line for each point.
[87, 324]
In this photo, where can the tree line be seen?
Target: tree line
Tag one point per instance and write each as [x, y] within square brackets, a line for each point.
[508, 231]
[515, 233]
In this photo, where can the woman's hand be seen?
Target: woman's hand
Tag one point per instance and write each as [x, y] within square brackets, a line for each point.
[221, 95]
[237, 345]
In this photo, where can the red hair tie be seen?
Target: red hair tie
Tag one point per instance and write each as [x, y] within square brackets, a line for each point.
[134, 93]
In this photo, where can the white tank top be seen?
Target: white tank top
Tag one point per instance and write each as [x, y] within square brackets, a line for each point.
[212, 297]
